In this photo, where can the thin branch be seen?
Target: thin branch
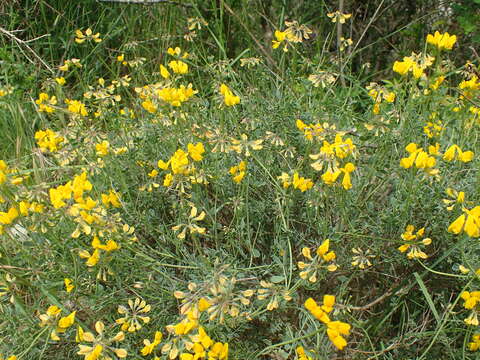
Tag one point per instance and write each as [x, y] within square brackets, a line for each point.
[24, 43]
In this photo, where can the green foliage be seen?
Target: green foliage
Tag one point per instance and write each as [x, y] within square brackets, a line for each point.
[252, 245]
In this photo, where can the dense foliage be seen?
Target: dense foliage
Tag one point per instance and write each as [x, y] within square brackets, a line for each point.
[243, 180]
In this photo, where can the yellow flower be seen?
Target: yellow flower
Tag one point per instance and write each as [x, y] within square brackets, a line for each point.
[218, 351]
[301, 183]
[469, 222]
[76, 107]
[8, 217]
[149, 106]
[420, 159]
[88, 35]
[301, 354]
[45, 103]
[442, 41]
[338, 16]
[471, 299]
[413, 242]
[48, 140]
[66, 322]
[60, 81]
[280, 37]
[402, 67]
[346, 182]
[316, 311]
[178, 67]
[164, 72]
[176, 96]
[91, 353]
[474, 345]
[174, 52]
[229, 98]
[68, 285]
[92, 259]
[102, 148]
[454, 152]
[136, 308]
[150, 346]
[238, 172]
[335, 331]
[196, 151]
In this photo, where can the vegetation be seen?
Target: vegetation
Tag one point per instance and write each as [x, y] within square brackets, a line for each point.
[243, 180]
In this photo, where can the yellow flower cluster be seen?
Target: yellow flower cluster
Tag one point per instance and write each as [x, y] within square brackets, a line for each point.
[416, 63]
[191, 226]
[474, 345]
[413, 242]
[455, 153]
[48, 140]
[57, 324]
[177, 52]
[90, 215]
[176, 96]
[336, 330]
[88, 35]
[379, 93]
[301, 354]
[470, 87]
[312, 131]
[68, 285]
[238, 171]
[178, 66]
[228, 97]
[188, 340]
[468, 222]
[22, 208]
[425, 161]
[294, 33]
[181, 165]
[76, 107]
[419, 158]
[297, 181]
[45, 103]
[329, 156]
[101, 345]
[471, 302]
[70, 62]
[434, 127]
[324, 259]
[132, 314]
[442, 41]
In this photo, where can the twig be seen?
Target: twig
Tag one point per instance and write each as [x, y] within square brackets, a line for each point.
[24, 43]
[374, 302]
[363, 34]
[10, 267]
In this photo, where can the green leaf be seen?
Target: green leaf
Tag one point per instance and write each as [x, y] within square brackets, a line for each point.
[277, 279]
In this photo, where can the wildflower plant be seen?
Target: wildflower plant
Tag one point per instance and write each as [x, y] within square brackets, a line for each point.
[323, 260]
[131, 175]
[133, 315]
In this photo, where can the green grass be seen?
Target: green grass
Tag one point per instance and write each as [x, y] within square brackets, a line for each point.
[255, 230]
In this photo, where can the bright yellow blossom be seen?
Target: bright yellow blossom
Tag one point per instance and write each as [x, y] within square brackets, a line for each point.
[442, 41]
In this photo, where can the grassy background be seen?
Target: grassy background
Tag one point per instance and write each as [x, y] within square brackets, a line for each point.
[398, 308]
